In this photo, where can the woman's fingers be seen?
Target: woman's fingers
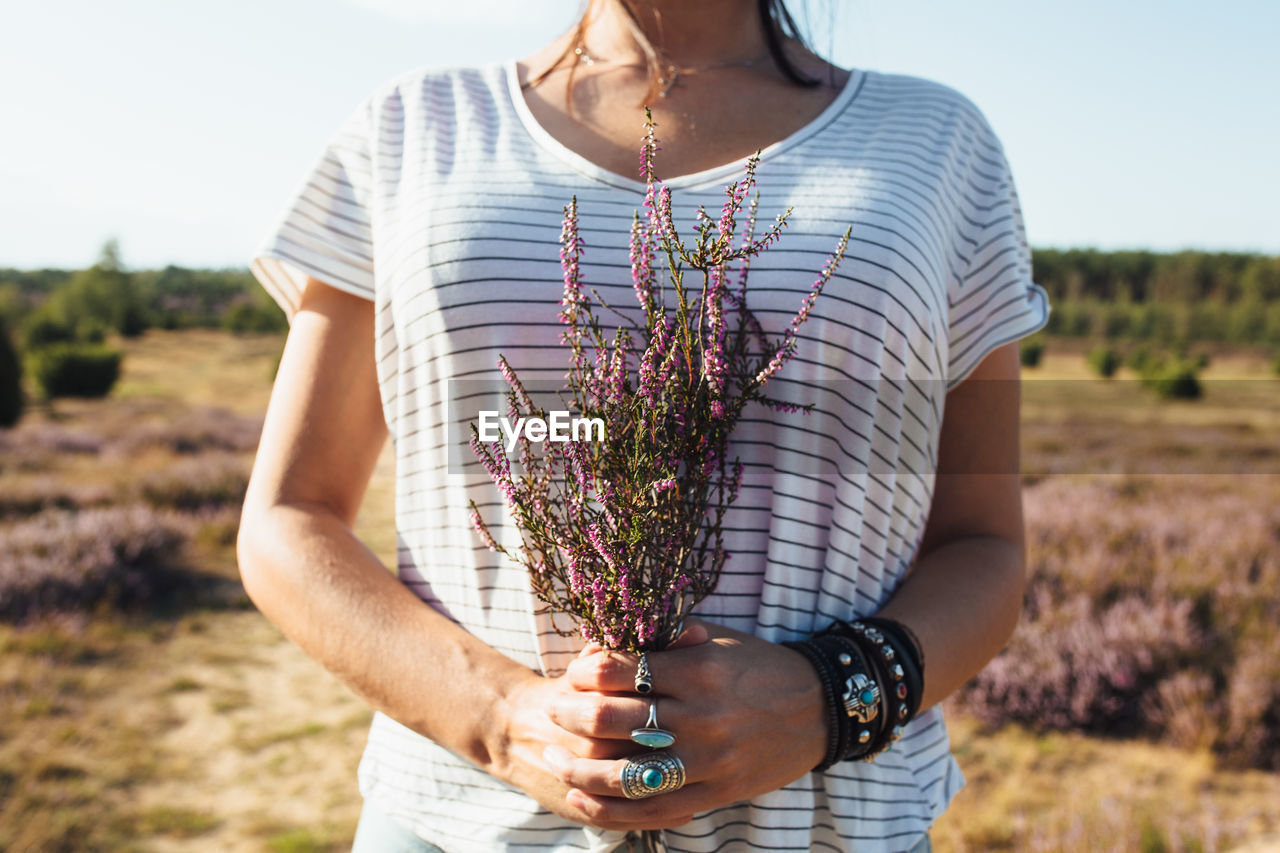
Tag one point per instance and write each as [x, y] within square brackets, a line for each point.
[600, 778]
[594, 777]
[695, 632]
[615, 672]
[612, 671]
[594, 715]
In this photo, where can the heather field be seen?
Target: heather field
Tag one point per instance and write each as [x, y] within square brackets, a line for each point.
[145, 705]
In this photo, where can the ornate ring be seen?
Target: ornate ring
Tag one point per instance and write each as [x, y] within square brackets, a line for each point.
[651, 774]
[649, 734]
[644, 678]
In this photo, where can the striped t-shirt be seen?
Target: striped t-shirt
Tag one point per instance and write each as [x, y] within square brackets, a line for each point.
[441, 198]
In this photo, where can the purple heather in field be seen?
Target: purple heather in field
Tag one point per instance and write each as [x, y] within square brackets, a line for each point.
[624, 536]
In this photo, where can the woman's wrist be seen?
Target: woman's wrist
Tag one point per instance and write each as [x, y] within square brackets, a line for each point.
[872, 675]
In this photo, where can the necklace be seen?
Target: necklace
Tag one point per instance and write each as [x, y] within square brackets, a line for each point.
[672, 73]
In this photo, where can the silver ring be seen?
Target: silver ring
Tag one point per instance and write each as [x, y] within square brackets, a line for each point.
[644, 678]
[651, 774]
[650, 734]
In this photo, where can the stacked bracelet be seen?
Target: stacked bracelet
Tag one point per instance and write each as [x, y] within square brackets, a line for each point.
[872, 676]
[827, 677]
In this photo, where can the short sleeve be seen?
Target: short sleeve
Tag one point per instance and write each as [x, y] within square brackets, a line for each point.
[326, 229]
[992, 299]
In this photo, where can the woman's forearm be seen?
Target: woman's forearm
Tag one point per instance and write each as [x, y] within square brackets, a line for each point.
[962, 600]
[310, 575]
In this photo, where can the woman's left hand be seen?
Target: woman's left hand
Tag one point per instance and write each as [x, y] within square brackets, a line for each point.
[748, 716]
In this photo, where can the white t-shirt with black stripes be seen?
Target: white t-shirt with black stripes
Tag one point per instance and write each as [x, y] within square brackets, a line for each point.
[440, 199]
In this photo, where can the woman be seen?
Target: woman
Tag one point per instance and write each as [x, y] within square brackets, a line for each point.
[424, 244]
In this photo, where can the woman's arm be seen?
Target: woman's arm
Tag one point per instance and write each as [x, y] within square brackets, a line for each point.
[309, 574]
[964, 594]
[743, 709]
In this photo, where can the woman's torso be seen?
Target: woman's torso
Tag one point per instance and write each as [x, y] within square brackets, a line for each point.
[467, 188]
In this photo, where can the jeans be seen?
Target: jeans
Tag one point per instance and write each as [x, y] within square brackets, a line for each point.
[378, 833]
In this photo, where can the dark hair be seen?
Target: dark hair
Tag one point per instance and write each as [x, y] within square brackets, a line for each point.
[775, 19]
[777, 22]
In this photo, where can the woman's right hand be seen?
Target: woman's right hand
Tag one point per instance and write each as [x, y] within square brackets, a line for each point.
[525, 730]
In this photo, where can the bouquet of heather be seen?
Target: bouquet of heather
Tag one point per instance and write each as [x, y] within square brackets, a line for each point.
[624, 535]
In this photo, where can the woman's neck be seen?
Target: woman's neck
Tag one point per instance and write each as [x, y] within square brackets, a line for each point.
[687, 33]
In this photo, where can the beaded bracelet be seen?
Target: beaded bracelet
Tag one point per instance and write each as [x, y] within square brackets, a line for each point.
[909, 655]
[895, 690]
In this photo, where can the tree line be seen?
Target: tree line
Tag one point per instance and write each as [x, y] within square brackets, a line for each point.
[55, 322]
[1176, 298]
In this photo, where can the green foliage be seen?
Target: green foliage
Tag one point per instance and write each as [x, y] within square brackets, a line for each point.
[11, 402]
[1170, 375]
[1104, 360]
[1140, 359]
[184, 298]
[1173, 379]
[1138, 277]
[1275, 364]
[256, 316]
[1115, 296]
[91, 331]
[74, 369]
[13, 304]
[43, 328]
[1185, 296]
[1152, 840]
[1031, 350]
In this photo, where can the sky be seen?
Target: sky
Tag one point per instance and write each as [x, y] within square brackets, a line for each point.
[182, 128]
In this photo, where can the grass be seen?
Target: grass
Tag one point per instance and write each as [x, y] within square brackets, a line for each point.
[1066, 791]
[204, 728]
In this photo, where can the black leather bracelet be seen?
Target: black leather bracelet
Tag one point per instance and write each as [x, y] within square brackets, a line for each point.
[827, 677]
[861, 705]
[891, 674]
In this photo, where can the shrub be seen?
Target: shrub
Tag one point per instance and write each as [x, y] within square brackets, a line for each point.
[118, 556]
[254, 317]
[205, 481]
[1172, 377]
[11, 402]
[75, 370]
[42, 329]
[1139, 359]
[1087, 668]
[1150, 610]
[1031, 350]
[1104, 360]
[30, 496]
[204, 428]
[91, 330]
[1174, 380]
[43, 440]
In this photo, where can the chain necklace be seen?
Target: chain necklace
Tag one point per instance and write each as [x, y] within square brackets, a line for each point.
[672, 73]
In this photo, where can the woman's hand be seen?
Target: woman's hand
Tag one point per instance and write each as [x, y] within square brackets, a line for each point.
[748, 716]
[526, 731]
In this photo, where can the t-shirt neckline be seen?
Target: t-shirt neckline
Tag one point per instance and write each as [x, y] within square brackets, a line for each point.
[714, 174]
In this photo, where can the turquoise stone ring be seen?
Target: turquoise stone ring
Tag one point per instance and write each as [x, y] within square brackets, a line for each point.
[649, 734]
[651, 774]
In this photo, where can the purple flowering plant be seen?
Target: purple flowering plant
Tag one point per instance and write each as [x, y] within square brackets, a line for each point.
[624, 536]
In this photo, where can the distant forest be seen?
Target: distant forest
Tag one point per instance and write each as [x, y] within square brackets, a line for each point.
[1175, 298]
